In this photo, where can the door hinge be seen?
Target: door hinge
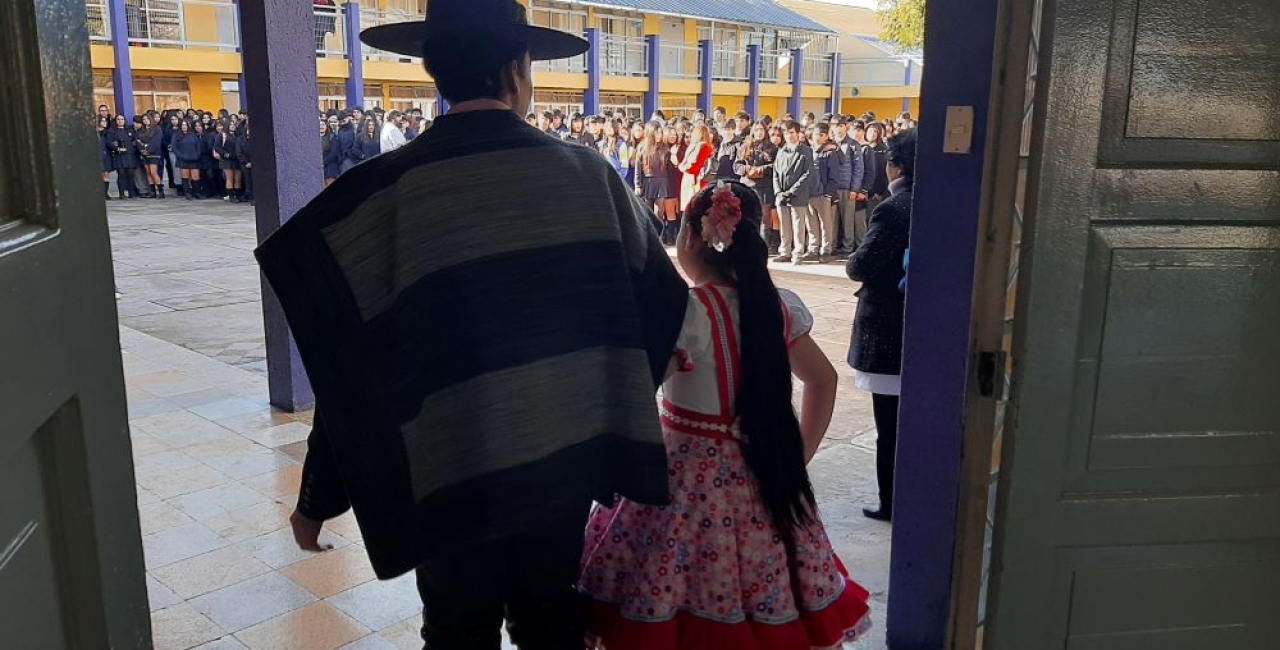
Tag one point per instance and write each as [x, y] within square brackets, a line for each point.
[990, 369]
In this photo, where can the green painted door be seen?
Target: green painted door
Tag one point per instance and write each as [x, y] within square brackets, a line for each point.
[1139, 502]
[71, 571]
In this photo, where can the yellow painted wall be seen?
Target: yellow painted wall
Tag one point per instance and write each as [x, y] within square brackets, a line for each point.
[206, 90]
[652, 24]
[680, 87]
[168, 60]
[882, 107]
[624, 84]
[731, 103]
[102, 57]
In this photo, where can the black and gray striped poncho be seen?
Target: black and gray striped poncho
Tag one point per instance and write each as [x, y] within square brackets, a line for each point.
[484, 315]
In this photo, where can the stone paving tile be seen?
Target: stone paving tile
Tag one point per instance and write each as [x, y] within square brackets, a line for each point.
[253, 601]
[177, 544]
[380, 604]
[209, 572]
[315, 627]
[180, 627]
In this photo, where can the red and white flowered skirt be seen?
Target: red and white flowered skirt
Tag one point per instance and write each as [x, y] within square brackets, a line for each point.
[709, 571]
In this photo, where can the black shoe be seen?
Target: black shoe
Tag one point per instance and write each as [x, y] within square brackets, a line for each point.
[879, 514]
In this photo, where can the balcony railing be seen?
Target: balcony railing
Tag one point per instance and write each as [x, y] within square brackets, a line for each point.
[184, 24]
[330, 32]
[729, 64]
[817, 69]
[373, 18]
[775, 66]
[625, 56]
[681, 61]
[99, 19]
[576, 65]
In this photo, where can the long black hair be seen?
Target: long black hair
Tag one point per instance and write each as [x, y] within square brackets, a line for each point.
[772, 443]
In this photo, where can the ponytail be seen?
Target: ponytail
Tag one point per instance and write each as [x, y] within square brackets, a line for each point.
[772, 442]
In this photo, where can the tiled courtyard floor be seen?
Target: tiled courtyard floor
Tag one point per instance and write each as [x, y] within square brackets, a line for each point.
[217, 468]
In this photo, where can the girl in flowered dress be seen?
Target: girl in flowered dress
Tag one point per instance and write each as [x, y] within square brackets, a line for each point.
[740, 559]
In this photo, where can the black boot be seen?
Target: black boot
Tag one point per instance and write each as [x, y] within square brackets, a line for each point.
[122, 186]
[106, 190]
[160, 191]
[186, 189]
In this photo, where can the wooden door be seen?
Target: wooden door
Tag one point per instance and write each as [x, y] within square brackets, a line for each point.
[1139, 505]
[71, 570]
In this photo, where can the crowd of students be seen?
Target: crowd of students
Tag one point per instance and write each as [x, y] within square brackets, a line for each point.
[196, 153]
[819, 178]
[350, 137]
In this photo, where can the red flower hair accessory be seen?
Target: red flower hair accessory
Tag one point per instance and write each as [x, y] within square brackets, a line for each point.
[719, 223]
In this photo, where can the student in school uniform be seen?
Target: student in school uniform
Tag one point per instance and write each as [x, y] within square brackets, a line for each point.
[104, 127]
[150, 144]
[224, 151]
[245, 152]
[124, 161]
[170, 129]
[209, 164]
[186, 147]
[331, 150]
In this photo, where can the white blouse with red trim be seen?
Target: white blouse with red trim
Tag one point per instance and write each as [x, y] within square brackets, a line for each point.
[704, 369]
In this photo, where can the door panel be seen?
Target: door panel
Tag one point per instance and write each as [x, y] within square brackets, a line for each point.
[71, 571]
[1140, 491]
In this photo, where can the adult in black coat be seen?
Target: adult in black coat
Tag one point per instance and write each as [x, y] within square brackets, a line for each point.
[331, 149]
[875, 351]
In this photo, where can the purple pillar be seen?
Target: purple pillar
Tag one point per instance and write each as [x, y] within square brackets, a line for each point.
[944, 235]
[796, 103]
[122, 75]
[706, 100]
[655, 75]
[280, 66]
[591, 98]
[443, 105]
[355, 62]
[834, 107]
[753, 81]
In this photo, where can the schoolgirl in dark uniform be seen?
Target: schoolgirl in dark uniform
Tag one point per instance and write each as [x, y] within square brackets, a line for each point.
[170, 128]
[150, 150]
[332, 150]
[224, 151]
[120, 142]
[208, 166]
[104, 125]
[368, 143]
[245, 153]
[186, 147]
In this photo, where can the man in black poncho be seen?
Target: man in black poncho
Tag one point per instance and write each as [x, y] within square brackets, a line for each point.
[484, 315]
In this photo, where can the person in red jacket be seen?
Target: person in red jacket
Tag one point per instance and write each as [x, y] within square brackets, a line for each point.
[694, 164]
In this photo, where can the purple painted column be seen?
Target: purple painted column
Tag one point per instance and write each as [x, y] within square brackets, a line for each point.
[906, 81]
[355, 59]
[240, 82]
[591, 98]
[944, 235]
[834, 106]
[122, 75]
[280, 66]
[655, 75]
[753, 81]
[443, 104]
[797, 83]
[706, 100]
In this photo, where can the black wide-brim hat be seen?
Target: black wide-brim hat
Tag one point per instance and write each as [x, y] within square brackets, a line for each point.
[491, 20]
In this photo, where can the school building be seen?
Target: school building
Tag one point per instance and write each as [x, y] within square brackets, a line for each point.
[762, 56]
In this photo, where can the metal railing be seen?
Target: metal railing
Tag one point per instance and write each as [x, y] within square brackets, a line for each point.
[98, 19]
[729, 64]
[198, 24]
[373, 18]
[575, 65]
[872, 72]
[626, 56]
[775, 66]
[680, 61]
[330, 32]
[817, 69]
